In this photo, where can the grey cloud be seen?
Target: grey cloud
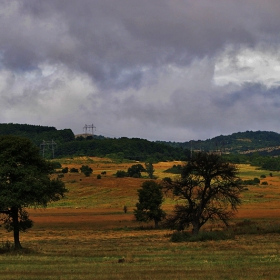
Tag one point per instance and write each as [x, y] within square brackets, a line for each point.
[138, 68]
[201, 114]
[107, 39]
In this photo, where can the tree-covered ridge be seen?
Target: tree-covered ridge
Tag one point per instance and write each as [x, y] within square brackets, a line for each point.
[265, 142]
[123, 148]
[237, 146]
[37, 133]
[118, 148]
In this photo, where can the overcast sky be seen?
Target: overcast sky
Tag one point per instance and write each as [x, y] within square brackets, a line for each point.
[175, 70]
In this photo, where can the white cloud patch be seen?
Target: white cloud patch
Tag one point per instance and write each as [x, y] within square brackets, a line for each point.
[49, 95]
[248, 65]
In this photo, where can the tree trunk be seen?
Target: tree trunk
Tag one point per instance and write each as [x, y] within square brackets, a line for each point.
[16, 228]
[156, 223]
[196, 227]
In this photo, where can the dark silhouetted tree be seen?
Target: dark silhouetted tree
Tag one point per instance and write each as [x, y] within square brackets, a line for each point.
[208, 190]
[24, 182]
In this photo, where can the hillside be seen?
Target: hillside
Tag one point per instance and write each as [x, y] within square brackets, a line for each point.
[117, 148]
[37, 133]
[263, 142]
[67, 144]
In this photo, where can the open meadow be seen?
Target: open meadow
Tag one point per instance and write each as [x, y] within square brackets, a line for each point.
[84, 235]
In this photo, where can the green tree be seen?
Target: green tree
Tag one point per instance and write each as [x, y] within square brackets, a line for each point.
[86, 170]
[150, 199]
[150, 169]
[24, 182]
[135, 170]
[208, 189]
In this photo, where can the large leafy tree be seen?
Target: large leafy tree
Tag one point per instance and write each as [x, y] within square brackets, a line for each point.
[207, 190]
[25, 181]
[148, 207]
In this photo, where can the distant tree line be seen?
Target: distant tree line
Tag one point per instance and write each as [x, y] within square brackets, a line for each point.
[37, 134]
[234, 143]
[264, 162]
[116, 148]
[123, 148]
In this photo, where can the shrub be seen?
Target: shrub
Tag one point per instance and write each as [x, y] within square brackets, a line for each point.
[256, 180]
[86, 170]
[64, 170]
[264, 183]
[74, 170]
[262, 176]
[135, 171]
[121, 174]
[98, 176]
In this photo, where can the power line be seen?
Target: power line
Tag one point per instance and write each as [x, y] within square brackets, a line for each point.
[91, 128]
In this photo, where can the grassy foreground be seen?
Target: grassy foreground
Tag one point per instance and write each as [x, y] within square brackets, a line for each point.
[85, 235]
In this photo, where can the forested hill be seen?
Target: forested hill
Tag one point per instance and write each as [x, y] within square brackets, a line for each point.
[120, 148]
[37, 133]
[263, 142]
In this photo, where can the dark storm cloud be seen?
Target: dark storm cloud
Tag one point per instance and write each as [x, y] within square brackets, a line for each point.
[156, 69]
[107, 39]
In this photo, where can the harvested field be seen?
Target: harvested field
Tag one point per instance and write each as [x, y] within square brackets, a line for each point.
[84, 235]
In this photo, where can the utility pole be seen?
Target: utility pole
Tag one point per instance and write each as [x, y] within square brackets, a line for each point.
[90, 127]
[47, 145]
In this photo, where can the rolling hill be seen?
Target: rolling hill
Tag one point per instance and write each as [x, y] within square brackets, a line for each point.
[67, 144]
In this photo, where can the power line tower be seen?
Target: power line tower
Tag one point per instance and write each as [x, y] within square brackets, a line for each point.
[49, 145]
[90, 127]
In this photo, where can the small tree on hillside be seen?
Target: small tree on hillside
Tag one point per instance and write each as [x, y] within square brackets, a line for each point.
[150, 198]
[135, 170]
[150, 169]
[24, 182]
[208, 190]
[86, 170]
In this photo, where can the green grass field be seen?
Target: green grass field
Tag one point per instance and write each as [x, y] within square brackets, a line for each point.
[85, 235]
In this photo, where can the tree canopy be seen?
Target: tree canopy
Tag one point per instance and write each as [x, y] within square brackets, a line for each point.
[149, 203]
[24, 182]
[135, 170]
[208, 190]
